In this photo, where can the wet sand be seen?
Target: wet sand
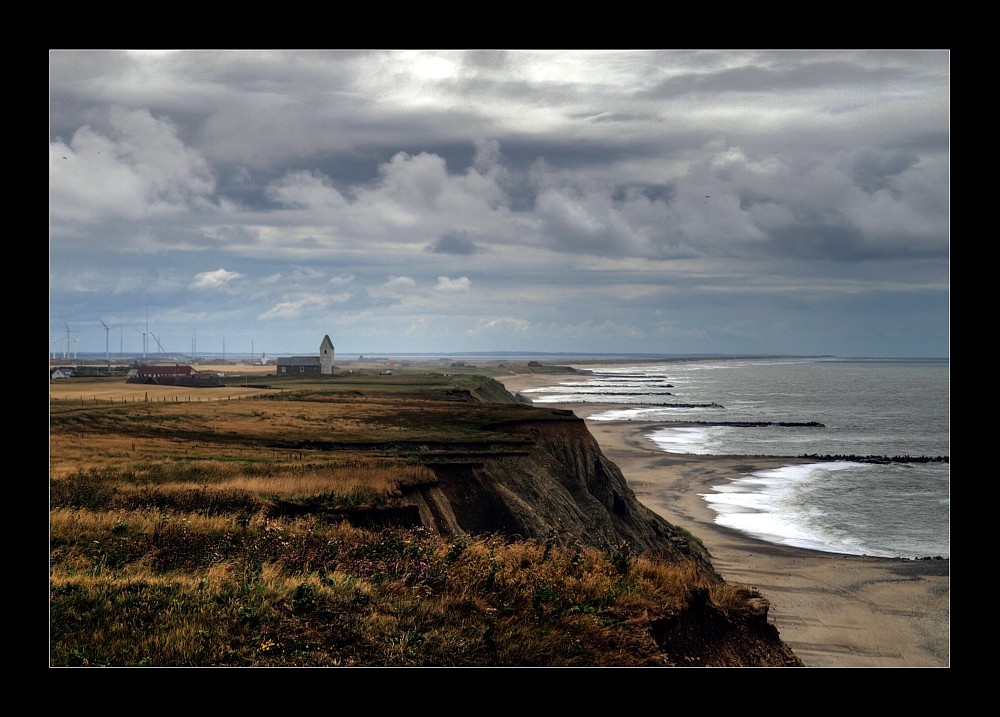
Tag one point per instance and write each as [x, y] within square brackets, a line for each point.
[833, 610]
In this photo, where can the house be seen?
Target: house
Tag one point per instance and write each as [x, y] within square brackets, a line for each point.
[321, 364]
[62, 373]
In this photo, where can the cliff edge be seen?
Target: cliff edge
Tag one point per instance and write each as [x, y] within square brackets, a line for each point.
[557, 485]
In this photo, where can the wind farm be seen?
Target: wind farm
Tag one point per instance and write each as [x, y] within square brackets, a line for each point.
[66, 342]
[149, 344]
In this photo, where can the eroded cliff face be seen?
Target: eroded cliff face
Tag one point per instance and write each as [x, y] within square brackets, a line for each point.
[558, 486]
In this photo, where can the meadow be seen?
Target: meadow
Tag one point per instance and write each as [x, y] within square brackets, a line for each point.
[205, 527]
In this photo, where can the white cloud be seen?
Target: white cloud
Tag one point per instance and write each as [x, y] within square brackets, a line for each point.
[399, 283]
[417, 193]
[307, 190]
[501, 325]
[432, 67]
[462, 283]
[583, 220]
[137, 168]
[300, 306]
[218, 279]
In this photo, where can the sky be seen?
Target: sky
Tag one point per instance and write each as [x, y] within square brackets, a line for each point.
[216, 202]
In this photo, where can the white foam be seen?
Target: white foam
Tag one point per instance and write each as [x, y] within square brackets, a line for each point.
[682, 439]
[768, 504]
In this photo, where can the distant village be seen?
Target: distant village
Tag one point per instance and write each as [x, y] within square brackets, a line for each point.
[171, 372]
[177, 374]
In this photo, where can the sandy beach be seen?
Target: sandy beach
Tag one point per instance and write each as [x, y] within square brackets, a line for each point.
[833, 610]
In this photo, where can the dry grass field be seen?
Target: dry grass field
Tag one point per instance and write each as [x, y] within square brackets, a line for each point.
[191, 530]
[139, 393]
[118, 391]
[109, 424]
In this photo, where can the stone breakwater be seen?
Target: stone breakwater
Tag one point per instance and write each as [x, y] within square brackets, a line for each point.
[755, 424]
[877, 459]
[817, 456]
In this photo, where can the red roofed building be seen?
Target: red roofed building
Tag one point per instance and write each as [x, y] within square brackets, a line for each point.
[177, 371]
[175, 375]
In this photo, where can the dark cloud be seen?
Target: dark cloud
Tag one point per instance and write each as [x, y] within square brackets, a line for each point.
[652, 192]
[454, 242]
[872, 169]
[612, 200]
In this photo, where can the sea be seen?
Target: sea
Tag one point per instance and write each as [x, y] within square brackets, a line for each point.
[874, 433]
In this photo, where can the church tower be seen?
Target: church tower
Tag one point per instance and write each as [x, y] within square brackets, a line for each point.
[326, 356]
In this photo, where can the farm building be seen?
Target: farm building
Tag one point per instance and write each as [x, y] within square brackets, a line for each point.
[155, 371]
[322, 364]
[175, 375]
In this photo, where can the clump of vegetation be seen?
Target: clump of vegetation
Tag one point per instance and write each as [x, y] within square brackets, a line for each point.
[218, 487]
[143, 587]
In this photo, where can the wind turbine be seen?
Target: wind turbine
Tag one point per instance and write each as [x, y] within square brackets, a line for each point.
[143, 342]
[107, 334]
[67, 340]
[157, 340]
[75, 342]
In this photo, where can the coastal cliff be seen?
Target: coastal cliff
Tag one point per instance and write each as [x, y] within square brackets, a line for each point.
[557, 485]
[562, 488]
[337, 520]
